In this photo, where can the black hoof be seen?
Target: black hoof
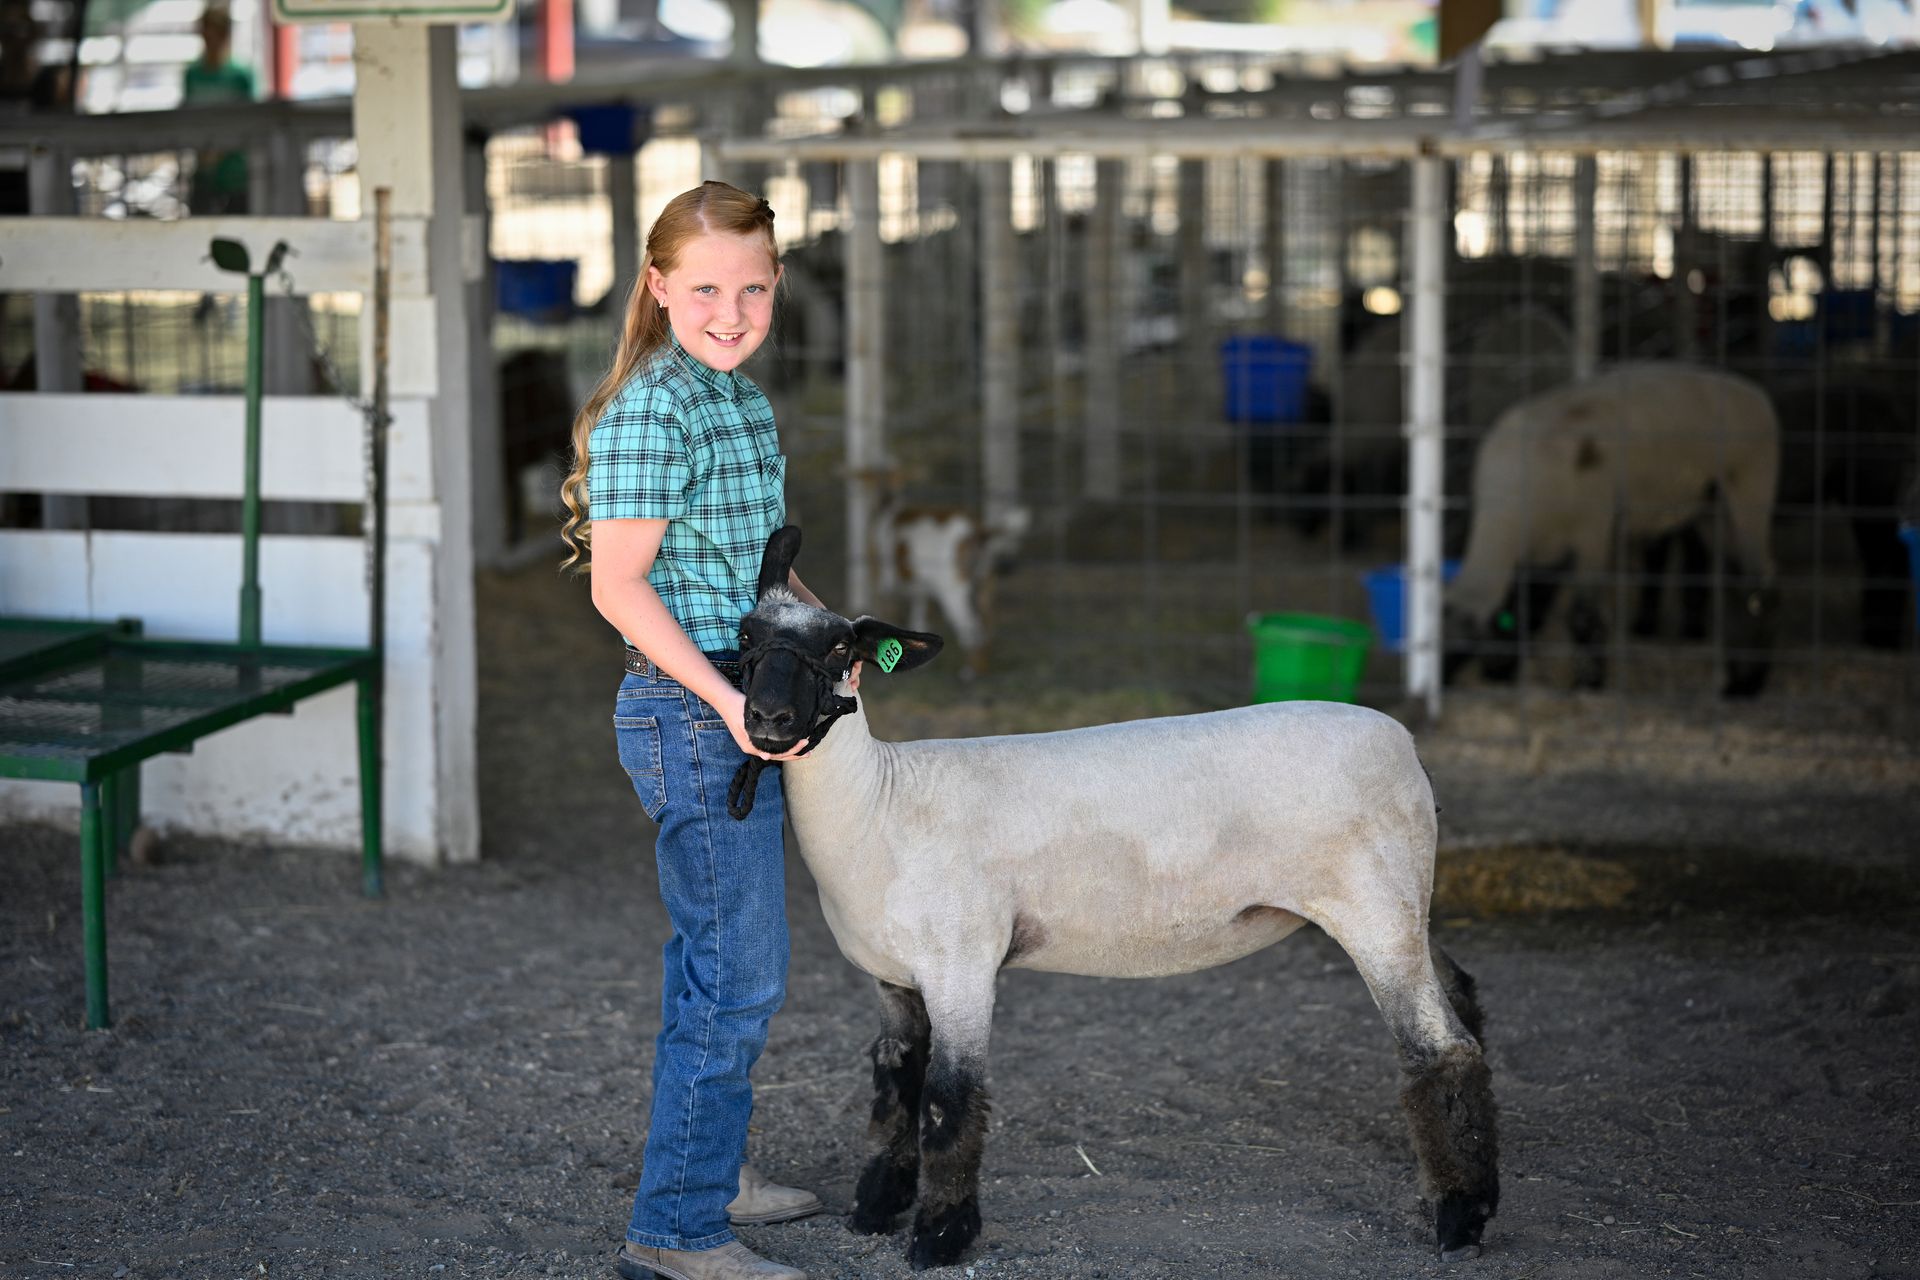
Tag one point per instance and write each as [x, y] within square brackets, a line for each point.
[885, 1192]
[1458, 1222]
[939, 1238]
[1744, 681]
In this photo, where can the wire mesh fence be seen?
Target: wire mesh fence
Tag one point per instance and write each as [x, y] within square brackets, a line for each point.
[1133, 396]
[1203, 375]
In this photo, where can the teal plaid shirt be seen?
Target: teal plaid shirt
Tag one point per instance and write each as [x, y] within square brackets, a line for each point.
[697, 448]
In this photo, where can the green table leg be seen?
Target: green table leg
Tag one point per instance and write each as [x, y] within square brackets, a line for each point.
[93, 900]
[113, 819]
[370, 865]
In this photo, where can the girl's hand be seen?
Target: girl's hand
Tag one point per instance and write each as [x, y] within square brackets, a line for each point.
[733, 710]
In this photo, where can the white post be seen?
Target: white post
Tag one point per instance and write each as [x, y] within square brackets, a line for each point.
[1152, 26]
[1768, 234]
[1055, 313]
[719, 121]
[278, 186]
[1881, 318]
[1586, 272]
[1686, 252]
[56, 320]
[866, 376]
[406, 120]
[1426, 356]
[746, 33]
[1196, 313]
[623, 193]
[56, 316]
[491, 483]
[1000, 356]
[1103, 303]
[988, 36]
[1274, 228]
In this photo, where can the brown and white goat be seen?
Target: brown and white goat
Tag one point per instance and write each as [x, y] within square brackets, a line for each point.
[948, 556]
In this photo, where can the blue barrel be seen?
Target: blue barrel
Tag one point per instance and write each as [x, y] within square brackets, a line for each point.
[1265, 378]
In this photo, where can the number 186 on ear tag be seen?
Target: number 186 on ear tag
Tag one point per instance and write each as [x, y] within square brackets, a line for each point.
[889, 653]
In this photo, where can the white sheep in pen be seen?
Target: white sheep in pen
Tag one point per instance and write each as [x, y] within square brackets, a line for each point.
[1636, 454]
[1128, 850]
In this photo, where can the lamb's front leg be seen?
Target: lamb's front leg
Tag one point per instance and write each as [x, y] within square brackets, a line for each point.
[899, 1066]
[953, 1120]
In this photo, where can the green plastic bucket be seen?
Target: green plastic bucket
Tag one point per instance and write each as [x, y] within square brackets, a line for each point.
[1307, 657]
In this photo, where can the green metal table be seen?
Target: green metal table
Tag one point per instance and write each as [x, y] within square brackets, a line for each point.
[34, 640]
[31, 644]
[87, 702]
[92, 705]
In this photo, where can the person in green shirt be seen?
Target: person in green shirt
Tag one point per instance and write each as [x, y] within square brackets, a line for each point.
[219, 177]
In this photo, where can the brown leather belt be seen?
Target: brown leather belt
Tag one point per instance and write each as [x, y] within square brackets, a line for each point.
[641, 665]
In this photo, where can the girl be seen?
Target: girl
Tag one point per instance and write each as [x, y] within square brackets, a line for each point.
[678, 480]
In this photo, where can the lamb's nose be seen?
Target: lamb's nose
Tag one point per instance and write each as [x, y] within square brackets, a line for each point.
[781, 719]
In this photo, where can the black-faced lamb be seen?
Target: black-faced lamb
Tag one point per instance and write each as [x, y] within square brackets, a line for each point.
[1638, 453]
[1128, 850]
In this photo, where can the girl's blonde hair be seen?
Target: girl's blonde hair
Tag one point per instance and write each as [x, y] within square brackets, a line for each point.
[709, 207]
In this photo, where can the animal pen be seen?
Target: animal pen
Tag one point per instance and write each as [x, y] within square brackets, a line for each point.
[1226, 334]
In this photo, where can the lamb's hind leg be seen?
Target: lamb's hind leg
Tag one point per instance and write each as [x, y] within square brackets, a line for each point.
[1447, 1093]
[899, 1068]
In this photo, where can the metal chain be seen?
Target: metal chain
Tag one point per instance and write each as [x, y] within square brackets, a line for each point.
[365, 408]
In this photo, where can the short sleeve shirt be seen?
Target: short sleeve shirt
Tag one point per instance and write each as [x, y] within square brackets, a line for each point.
[696, 447]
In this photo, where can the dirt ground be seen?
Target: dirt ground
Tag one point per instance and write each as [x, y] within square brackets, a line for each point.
[1702, 985]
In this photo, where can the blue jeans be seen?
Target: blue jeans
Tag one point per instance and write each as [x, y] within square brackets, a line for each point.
[724, 886]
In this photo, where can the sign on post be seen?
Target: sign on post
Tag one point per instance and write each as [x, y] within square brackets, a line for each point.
[432, 11]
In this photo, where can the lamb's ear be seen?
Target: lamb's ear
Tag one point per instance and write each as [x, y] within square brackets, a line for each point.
[917, 648]
[783, 544]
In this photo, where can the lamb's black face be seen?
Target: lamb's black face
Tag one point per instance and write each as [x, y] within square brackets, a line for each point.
[1496, 639]
[796, 655]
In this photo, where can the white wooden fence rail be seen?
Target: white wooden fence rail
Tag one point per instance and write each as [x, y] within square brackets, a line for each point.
[99, 255]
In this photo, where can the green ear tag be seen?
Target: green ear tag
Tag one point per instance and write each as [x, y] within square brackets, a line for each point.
[889, 653]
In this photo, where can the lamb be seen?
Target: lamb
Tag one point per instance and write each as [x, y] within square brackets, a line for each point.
[1639, 453]
[1127, 850]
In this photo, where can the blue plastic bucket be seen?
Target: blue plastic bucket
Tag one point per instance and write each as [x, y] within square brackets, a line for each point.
[1265, 378]
[535, 288]
[1387, 600]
